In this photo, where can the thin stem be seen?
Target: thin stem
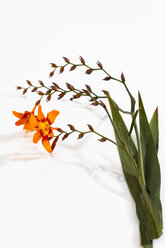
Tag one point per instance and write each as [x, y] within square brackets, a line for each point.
[100, 135]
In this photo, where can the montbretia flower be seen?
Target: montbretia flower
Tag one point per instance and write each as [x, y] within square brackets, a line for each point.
[44, 129]
[28, 119]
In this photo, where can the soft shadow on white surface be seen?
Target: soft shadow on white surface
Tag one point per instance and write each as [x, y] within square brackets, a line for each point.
[94, 170]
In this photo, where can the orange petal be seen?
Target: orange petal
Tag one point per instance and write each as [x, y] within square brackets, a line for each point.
[51, 133]
[34, 108]
[33, 121]
[27, 126]
[18, 115]
[41, 116]
[21, 121]
[36, 137]
[46, 144]
[51, 116]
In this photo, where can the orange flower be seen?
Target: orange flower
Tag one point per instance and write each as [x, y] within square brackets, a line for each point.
[28, 119]
[44, 130]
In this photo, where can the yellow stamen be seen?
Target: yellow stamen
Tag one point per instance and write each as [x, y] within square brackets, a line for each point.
[44, 127]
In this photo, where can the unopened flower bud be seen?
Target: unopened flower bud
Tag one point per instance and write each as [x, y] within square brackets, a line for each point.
[51, 73]
[99, 65]
[102, 139]
[89, 71]
[107, 78]
[82, 60]
[61, 69]
[71, 127]
[73, 67]
[90, 128]
[65, 136]
[66, 60]
[80, 135]
[24, 91]
[28, 82]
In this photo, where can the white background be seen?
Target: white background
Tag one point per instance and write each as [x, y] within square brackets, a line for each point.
[76, 197]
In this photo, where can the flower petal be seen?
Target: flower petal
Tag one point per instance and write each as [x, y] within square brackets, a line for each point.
[41, 116]
[34, 108]
[27, 126]
[51, 133]
[51, 116]
[46, 144]
[36, 137]
[33, 121]
[21, 121]
[18, 115]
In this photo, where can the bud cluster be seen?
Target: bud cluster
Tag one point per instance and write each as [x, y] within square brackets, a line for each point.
[81, 134]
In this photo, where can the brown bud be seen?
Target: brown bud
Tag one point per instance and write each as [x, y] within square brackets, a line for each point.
[106, 92]
[54, 143]
[53, 65]
[94, 103]
[86, 92]
[88, 88]
[71, 127]
[28, 82]
[56, 85]
[62, 69]
[73, 67]
[122, 78]
[38, 102]
[18, 88]
[48, 92]
[34, 89]
[80, 136]
[99, 65]
[40, 93]
[90, 128]
[89, 71]
[51, 74]
[107, 78]
[24, 91]
[77, 96]
[53, 88]
[41, 83]
[69, 86]
[102, 104]
[61, 95]
[66, 60]
[65, 136]
[59, 130]
[102, 139]
[48, 98]
[82, 60]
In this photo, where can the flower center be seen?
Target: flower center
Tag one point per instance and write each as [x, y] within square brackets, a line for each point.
[44, 127]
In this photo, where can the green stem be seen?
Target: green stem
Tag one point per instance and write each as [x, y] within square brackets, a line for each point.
[148, 246]
[140, 157]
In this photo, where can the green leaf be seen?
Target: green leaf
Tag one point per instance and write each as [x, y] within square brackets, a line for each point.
[150, 163]
[128, 157]
[129, 150]
[154, 126]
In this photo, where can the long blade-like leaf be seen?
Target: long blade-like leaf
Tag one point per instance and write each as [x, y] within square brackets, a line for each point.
[150, 164]
[123, 139]
[137, 190]
[154, 126]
